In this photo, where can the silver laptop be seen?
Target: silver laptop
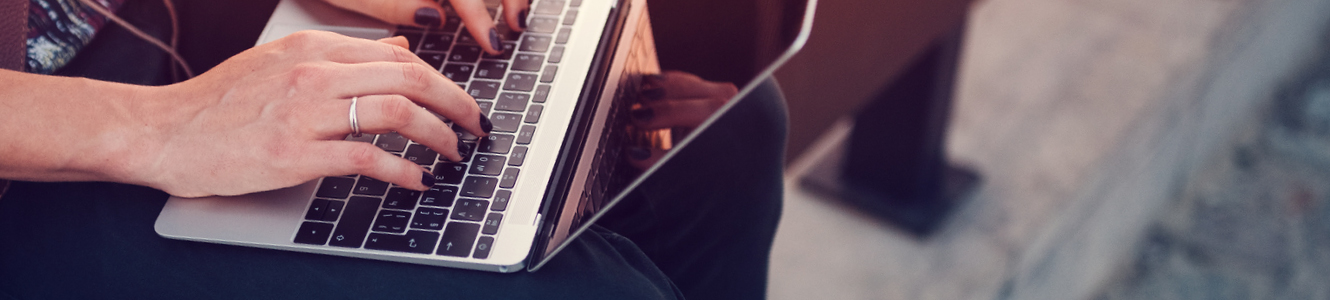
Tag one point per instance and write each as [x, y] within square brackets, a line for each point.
[551, 167]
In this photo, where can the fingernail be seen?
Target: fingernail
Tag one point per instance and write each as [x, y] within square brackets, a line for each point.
[638, 153]
[485, 123]
[653, 93]
[427, 179]
[464, 149]
[427, 16]
[494, 40]
[643, 114]
[521, 18]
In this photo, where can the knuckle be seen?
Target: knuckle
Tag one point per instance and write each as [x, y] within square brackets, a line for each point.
[363, 157]
[398, 112]
[416, 76]
[307, 74]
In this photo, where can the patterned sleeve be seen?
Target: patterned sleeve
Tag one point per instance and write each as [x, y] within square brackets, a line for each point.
[57, 29]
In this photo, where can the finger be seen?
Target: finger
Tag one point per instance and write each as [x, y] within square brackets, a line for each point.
[399, 41]
[642, 158]
[422, 13]
[422, 84]
[479, 24]
[682, 85]
[515, 12]
[675, 113]
[344, 157]
[354, 50]
[387, 113]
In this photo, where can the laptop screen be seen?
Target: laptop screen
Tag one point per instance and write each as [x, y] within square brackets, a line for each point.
[699, 37]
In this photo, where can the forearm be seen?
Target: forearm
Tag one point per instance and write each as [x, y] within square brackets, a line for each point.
[74, 129]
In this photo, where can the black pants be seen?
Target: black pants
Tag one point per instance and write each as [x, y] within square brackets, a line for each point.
[701, 227]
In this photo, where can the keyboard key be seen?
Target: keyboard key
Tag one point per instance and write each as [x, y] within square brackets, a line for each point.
[458, 238]
[434, 59]
[364, 138]
[542, 24]
[416, 241]
[391, 142]
[467, 151]
[575, 3]
[439, 195]
[392, 221]
[465, 38]
[489, 69]
[535, 43]
[313, 233]
[412, 38]
[556, 54]
[514, 102]
[496, 143]
[518, 156]
[533, 113]
[334, 210]
[479, 186]
[458, 72]
[490, 165]
[563, 36]
[524, 136]
[400, 198]
[420, 155]
[436, 42]
[509, 178]
[492, 223]
[462, 134]
[505, 122]
[570, 17]
[501, 200]
[355, 222]
[449, 172]
[548, 7]
[484, 89]
[547, 76]
[485, 106]
[429, 218]
[470, 209]
[542, 92]
[316, 209]
[451, 23]
[527, 62]
[370, 186]
[508, 48]
[520, 82]
[465, 53]
[483, 247]
[335, 187]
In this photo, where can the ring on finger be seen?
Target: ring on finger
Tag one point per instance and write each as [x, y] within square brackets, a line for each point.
[355, 123]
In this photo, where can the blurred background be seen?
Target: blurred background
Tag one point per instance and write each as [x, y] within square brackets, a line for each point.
[1125, 149]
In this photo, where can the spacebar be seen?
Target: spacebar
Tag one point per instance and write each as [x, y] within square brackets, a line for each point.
[356, 218]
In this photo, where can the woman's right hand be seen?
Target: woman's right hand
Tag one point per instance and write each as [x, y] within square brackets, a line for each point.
[275, 116]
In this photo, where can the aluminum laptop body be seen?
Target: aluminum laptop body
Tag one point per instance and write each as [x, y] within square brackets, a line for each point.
[566, 181]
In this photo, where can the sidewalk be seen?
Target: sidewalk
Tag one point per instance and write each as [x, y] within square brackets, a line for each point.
[1087, 120]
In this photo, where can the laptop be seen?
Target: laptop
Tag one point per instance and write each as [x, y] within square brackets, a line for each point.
[559, 97]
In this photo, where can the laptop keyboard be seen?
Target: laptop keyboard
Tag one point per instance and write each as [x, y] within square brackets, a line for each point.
[460, 215]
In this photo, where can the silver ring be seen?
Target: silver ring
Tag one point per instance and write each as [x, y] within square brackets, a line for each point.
[355, 124]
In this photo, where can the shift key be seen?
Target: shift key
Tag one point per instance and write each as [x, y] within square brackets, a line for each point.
[356, 218]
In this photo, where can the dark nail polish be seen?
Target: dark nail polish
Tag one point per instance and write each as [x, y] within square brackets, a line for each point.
[521, 18]
[494, 40]
[464, 149]
[428, 17]
[653, 93]
[485, 123]
[427, 179]
[643, 114]
[639, 153]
